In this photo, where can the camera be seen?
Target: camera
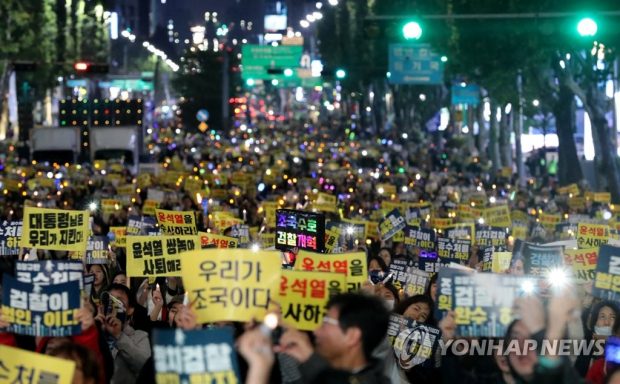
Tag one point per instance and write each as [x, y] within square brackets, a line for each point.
[113, 306]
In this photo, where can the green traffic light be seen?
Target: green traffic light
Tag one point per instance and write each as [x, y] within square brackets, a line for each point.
[412, 30]
[341, 74]
[587, 27]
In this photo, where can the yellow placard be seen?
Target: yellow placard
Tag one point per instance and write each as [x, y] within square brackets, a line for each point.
[501, 262]
[575, 203]
[582, 262]
[269, 211]
[441, 223]
[386, 190]
[602, 197]
[222, 220]
[126, 190]
[592, 235]
[144, 180]
[21, 366]
[176, 222]
[549, 221]
[120, 237]
[231, 285]
[149, 207]
[110, 205]
[158, 255]
[572, 189]
[352, 264]
[331, 239]
[220, 241]
[498, 216]
[325, 202]
[304, 295]
[55, 229]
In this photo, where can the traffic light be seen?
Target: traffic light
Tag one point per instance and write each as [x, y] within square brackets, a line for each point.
[85, 67]
[341, 73]
[587, 27]
[412, 30]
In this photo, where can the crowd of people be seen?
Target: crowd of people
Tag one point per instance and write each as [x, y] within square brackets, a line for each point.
[289, 165]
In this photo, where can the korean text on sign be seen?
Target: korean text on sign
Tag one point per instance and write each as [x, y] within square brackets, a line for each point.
[231, 284]
[157, 256]
[20, 366]
[353, 265]
[55, 229]
[41, 310]
[607, 278]
[298, 229]
[211, 240]
[176, 222]
[582, 262]
[197, 356]
[303, 296]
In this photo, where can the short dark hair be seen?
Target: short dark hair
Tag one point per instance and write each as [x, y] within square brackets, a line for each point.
[365, 312]
[380, 261]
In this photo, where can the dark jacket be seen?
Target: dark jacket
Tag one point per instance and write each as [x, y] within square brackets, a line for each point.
[317, 370]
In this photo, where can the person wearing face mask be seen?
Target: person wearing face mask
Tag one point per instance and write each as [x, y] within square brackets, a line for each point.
[602, 324]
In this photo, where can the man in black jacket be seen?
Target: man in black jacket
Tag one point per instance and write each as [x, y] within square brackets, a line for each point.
[352, 328]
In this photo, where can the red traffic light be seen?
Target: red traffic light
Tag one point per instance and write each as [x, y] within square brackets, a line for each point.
[85, 67]
[80, 66]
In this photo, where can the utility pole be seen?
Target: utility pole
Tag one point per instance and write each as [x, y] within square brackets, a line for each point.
[519, 132]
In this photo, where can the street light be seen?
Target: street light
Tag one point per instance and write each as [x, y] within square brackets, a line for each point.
[412, 30]
[587, 27]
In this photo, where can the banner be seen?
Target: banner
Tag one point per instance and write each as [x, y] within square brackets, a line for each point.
[491, 237]
[352, 264]
[211, 240]
[607, 278]
[420, 237]
[176, 222]
[157, 256]
[453, 250]
[549, 220]
[41, 310]
[407, 278]
[97, 250]
[55, 229]
[231, 284]
[149, 207]
[582, 262]
[21, 366]
[241, 232]
[592, 235]
[140, 225]
[196, 356]
[414, 344]
[49, 272]
[540, 259]
[10, 235]
[298, 229]
[483, 302]
[391, 224]
[498, 216]
[304, 295]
